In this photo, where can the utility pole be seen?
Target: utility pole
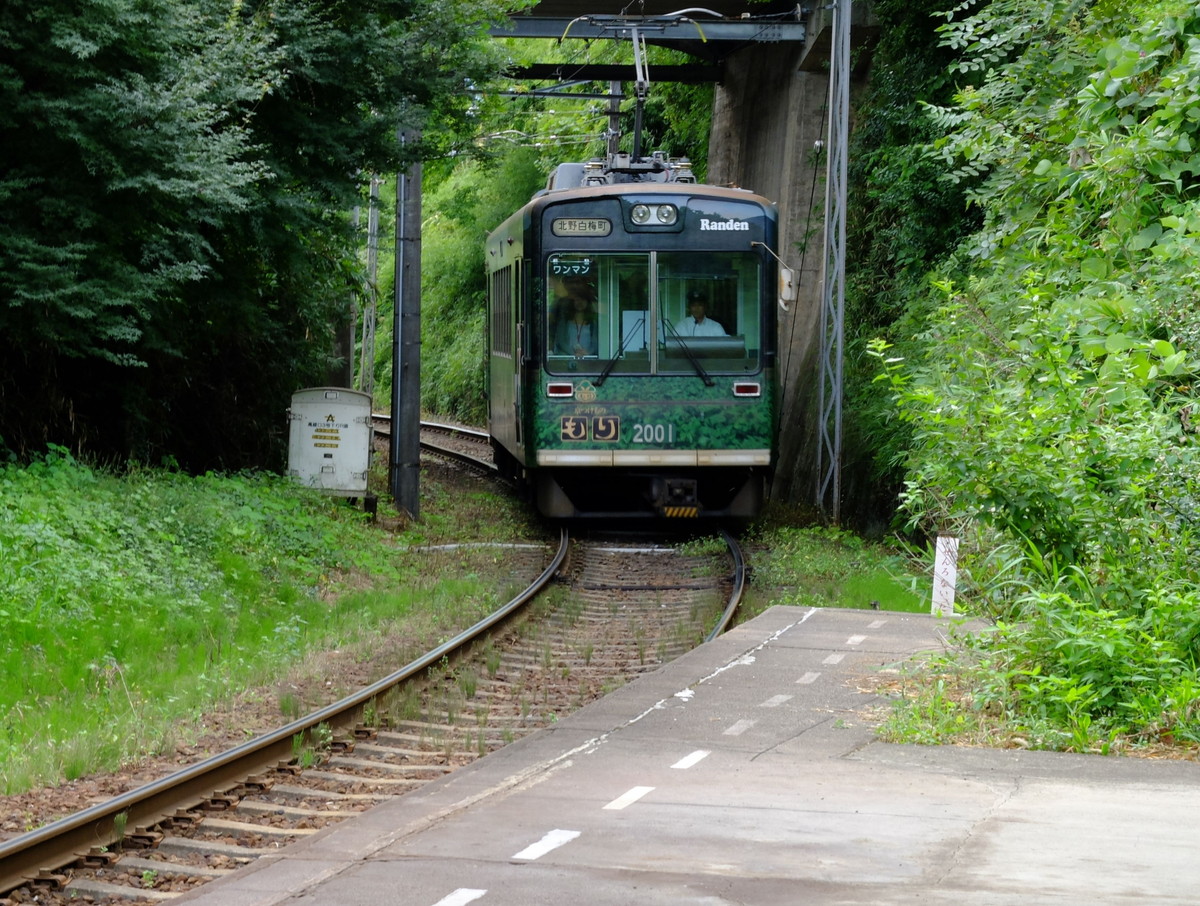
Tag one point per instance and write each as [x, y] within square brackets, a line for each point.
[405, 458]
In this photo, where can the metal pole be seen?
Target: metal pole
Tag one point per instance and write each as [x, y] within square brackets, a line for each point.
[366, 362]
[614, 119]
[406, 342]
[829, 450]
[641, 89]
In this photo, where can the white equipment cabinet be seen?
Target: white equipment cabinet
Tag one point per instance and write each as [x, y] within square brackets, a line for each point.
[330, 439]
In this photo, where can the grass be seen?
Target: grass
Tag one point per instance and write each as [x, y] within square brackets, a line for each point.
[822, 567]
[131, 604]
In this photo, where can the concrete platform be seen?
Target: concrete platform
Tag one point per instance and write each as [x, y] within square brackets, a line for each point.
[746, 773]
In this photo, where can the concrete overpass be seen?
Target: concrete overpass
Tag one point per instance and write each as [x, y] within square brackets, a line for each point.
[770, 65]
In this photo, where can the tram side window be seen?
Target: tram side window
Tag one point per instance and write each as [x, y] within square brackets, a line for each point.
[501, 326]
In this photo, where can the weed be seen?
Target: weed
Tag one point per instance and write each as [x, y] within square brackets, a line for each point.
[572, 610]
[134, 602]
[406, 706]
[491, 660]
[290, 707]
[120, 825]
[829, 568]
[310, 747]
[322, 737]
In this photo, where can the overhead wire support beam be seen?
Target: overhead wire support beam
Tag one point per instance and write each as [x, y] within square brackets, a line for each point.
[551, 93]
[829, 449]
[663, 31]
[694, 73]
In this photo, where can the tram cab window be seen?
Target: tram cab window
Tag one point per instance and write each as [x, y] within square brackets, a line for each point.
[710, 305]
[592, 302]
[574, 324]
[629, 312]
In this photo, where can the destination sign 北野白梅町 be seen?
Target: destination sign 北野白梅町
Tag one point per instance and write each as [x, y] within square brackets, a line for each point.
[581, 226]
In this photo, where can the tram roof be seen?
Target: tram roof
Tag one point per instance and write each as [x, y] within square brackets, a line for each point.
[642, 189]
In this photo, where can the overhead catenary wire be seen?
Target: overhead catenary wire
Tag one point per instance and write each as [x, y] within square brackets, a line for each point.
[585, 55]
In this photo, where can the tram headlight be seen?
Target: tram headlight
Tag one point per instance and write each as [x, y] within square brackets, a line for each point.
[652, 215]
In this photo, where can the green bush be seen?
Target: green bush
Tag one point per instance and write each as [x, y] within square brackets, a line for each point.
[1049, 396]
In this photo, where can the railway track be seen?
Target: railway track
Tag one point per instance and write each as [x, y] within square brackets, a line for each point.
[463, 445]
[605, 611]
[216, 783]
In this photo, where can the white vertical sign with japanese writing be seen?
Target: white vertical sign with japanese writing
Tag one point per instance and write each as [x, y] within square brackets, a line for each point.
[945, 575]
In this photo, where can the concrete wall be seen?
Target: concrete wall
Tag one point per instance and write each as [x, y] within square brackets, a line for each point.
[769, 113]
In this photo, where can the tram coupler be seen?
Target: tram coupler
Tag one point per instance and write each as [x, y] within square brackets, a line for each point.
[675, 497]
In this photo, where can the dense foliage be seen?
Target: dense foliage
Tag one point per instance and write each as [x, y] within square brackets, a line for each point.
[902, 218]
[1049, 398]
[474, 200]
[175, 180]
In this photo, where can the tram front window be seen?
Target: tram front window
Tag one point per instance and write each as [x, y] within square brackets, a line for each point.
[652, 312]
[592, 301]
[709, 304]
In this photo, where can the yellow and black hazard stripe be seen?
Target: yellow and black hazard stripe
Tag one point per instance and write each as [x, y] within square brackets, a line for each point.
[681, 512]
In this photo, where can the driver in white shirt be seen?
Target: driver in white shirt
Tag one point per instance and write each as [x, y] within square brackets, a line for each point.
[697, 324]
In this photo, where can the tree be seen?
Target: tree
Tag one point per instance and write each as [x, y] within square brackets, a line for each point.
[902, 218]
[174, 246]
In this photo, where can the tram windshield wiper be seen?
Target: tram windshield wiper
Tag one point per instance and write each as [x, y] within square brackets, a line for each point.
[687, 351]
[611, 363]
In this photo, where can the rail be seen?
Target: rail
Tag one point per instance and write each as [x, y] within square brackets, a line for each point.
[739, 587]
[88, 834]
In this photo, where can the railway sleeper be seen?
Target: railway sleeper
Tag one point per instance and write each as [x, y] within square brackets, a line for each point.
[137, 863]
[180, 846]
[359, 779]
[91, 887]
[224, 825]
[291, 811]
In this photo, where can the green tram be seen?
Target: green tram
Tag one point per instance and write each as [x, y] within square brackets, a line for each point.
[632, 343]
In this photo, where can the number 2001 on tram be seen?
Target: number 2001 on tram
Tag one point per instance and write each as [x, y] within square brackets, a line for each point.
[632, 344]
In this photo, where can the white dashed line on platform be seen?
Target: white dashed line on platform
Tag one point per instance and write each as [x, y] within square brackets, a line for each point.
[551, 841]
[629, 798]
[461, 897]
[740, 727]
[690, 760]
